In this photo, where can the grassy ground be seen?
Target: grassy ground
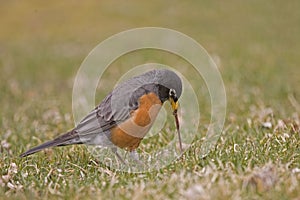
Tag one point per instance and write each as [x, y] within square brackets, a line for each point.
[257, 45]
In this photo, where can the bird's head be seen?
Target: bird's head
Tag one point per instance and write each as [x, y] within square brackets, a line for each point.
[170, 87]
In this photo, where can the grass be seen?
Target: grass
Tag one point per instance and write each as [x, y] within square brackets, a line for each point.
[257, 45]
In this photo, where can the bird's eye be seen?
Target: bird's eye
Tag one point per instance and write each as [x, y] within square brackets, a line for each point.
[172, 93]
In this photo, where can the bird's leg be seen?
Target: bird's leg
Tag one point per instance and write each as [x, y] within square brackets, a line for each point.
[115, 150]
[134, 155]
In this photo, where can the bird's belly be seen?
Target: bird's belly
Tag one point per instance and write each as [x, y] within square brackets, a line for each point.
[130, 133]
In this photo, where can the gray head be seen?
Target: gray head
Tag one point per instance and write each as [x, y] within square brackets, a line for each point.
[170, 86]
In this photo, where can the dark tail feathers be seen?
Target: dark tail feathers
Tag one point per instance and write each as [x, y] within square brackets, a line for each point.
[65, 139]
[48, 144]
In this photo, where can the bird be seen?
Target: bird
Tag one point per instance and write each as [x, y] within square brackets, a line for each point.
[125, 115]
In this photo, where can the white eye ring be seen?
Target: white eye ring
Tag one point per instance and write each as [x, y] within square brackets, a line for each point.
[172, 92]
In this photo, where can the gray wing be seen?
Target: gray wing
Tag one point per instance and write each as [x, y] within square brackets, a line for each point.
[98, 120]
[116, 107]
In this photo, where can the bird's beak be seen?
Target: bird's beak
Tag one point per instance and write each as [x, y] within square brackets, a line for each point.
[174, 105]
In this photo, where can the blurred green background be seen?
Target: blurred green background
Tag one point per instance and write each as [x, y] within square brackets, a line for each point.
[255, 44]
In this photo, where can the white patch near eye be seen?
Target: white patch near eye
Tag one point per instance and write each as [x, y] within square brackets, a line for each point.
[172, 92]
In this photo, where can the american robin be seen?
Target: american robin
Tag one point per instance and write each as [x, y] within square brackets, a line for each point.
[125, 115]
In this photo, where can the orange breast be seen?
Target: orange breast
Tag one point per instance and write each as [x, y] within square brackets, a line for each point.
[130, 133]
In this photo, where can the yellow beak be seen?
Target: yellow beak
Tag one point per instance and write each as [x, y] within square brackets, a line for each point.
[174, 104]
